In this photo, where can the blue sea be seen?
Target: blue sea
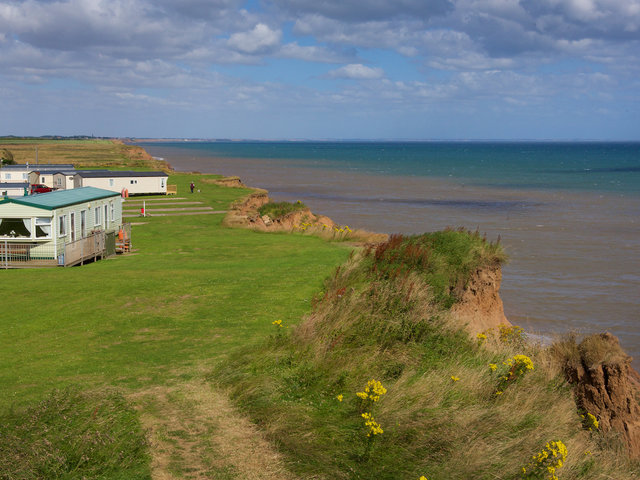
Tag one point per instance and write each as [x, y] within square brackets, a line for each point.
[567, 213]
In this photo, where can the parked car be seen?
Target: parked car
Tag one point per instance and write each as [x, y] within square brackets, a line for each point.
[40, 188]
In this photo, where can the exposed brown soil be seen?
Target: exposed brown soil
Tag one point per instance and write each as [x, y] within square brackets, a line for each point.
[245, 214]
[606, 386]
[480, 307]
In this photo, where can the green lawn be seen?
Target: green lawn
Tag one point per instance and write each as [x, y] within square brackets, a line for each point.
[192, 291]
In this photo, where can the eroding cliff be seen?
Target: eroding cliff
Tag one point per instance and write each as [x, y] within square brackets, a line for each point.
[479, 305]
[605, 385]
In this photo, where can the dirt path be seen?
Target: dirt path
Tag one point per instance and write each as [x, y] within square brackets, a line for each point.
[195, 433]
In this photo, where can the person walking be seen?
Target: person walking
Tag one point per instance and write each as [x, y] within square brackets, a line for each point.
[192, 186]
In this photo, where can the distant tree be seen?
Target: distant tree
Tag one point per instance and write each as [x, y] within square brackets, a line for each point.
[6, 157]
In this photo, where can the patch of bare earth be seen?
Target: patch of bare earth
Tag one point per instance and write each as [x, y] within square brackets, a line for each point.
[195, 433]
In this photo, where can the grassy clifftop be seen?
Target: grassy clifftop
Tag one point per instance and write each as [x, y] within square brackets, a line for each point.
[83, 153]
[380, 382]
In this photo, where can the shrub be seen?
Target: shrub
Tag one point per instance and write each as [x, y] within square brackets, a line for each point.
[275, 210]
[445, 259]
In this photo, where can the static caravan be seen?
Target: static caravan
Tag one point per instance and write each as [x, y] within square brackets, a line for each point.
[42, 226]
[46, 176]
[20, 173]
[63, 180]
[136, 183]
[8, 189]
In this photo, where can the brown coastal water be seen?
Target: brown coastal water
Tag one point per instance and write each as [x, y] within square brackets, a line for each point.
[574, 256]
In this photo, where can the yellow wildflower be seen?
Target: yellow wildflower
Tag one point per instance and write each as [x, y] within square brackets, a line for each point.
[374, 427]
[493, 367]
[373, 391]
[277, 323]
[340, 397]
[454, 378]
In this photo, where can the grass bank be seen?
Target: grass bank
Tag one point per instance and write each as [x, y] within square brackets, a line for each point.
[380, 382]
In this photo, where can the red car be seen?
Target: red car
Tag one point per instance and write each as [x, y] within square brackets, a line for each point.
[40, 188]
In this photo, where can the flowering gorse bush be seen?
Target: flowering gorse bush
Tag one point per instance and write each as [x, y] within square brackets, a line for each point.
[590, 422]
[372, 392]
[511, 334]
[516, 368]
[373, 427]
[545, 464]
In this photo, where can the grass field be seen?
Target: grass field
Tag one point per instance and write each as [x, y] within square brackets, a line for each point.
[191, 292]
[82, 153]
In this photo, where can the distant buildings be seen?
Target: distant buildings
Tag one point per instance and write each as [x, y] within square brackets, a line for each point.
[66, 177]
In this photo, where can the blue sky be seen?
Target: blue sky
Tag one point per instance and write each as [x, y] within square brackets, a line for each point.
[321, 69]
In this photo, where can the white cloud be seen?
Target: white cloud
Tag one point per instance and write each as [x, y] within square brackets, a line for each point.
[260, 40]
[313, 53]
[357, 71]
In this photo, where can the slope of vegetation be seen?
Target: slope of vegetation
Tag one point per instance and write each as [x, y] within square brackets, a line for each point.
[451, 407]
[276, 210]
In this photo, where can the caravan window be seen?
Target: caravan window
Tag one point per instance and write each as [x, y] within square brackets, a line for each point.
[43, 227]
[62, 225]
[15, 227]
[97, 220]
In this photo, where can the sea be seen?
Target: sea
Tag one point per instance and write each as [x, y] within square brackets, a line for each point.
[567, 213]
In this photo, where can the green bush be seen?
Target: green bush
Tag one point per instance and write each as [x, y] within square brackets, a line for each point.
[445, 259]
[275, 210]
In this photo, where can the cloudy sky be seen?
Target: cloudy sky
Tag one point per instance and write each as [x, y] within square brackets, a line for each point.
[392, 69]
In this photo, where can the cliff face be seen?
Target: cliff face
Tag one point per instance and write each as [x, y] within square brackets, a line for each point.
[480, 307]
[605, 385]
[245, 213]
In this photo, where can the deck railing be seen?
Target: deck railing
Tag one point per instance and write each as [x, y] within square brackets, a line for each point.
[22, 255]
[172, 189]
[91, 247]
[96, 246]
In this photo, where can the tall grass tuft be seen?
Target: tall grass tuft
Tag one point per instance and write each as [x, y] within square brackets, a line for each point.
[74, 435]
[275, 210]
[445, 259]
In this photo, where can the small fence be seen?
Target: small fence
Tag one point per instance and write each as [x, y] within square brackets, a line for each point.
[96, 246]
[23, 255]
[172, 189]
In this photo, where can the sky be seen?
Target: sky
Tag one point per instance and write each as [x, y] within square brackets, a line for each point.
[321, 69]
